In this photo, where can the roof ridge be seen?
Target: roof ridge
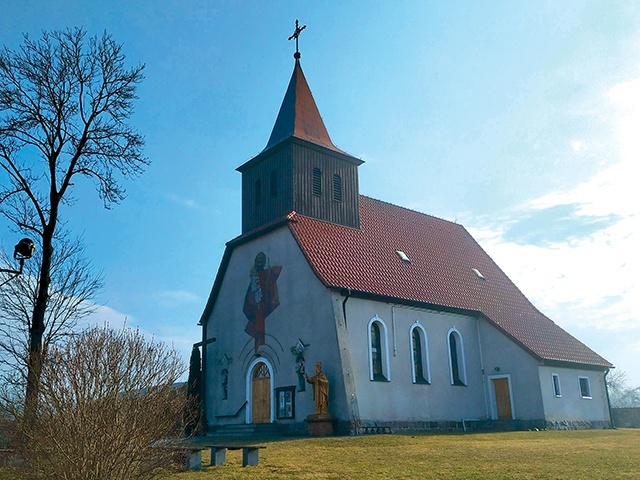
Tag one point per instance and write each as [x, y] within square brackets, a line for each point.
[412, 210]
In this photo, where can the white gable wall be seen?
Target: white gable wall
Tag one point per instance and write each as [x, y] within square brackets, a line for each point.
[305, 312]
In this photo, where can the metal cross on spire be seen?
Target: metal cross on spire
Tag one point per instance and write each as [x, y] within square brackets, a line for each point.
[295, 35]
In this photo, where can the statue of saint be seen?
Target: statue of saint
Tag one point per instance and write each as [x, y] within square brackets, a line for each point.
[320, 384]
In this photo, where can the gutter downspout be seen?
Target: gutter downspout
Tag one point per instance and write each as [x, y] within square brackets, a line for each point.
[393, 330]
[606, 389]
[484, 378]
[347, 294]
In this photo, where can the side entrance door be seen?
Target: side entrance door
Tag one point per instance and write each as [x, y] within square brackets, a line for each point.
[260, 394]
[503, 398]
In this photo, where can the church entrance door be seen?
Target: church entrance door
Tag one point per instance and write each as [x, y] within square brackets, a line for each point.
[503, 398]
[260, 394]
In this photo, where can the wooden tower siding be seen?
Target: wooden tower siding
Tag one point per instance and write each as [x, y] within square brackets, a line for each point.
[293, 162]
[323, 207]
[269, 208]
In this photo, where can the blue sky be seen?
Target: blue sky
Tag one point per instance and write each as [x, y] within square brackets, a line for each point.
[517, 119]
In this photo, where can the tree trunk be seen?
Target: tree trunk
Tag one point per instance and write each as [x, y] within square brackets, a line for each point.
[36, 332]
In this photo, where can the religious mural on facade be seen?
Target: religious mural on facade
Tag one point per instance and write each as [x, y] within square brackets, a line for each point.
[261, 298]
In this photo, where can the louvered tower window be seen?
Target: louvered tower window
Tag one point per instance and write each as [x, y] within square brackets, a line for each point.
[274, 184]
[317, 181]
[337, 187]
[258, 192]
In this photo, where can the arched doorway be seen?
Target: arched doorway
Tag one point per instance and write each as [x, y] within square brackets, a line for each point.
[260, 393]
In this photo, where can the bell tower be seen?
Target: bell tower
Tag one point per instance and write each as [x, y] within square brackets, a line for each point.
[300, 169]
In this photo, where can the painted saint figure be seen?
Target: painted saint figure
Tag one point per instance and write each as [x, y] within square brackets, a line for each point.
[261, 298]
[320, 384]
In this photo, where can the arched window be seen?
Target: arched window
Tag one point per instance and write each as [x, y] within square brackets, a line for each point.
[274, 184]
[317, 181]
[258, 192]
[420, 371]
[378, 351]
[456, 358]
[337, 187]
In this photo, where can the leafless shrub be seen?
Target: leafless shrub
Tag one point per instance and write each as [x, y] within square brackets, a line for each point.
[108, 409]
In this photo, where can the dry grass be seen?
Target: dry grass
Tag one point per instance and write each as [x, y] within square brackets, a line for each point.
[586, 454]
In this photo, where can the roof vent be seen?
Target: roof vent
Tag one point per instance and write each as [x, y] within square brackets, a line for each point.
[478, 274]
[403, 256]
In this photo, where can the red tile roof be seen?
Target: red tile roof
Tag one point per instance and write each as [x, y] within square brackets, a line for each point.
[442, 255]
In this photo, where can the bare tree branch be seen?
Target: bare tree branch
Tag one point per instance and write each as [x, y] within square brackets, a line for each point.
[65, 105]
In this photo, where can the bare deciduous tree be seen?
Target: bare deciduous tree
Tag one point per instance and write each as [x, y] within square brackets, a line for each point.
[73, 284]
[620, 394]
[108, 408]
[65, 102]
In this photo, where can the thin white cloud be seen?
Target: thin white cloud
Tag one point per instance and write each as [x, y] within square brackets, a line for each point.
[185, 202]
[176, 298]
[104, 315]
[587, 280]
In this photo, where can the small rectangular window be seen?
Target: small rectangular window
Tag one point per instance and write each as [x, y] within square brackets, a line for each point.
[286, 398]
[556, 385]
[585, 388]
[403, 256]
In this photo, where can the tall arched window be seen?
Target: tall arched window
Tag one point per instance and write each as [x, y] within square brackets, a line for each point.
[456, 358]
[337, 187]
[420, 371]
[317, 181]
[378, 351]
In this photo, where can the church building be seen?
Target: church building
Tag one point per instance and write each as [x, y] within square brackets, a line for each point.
[415, 325]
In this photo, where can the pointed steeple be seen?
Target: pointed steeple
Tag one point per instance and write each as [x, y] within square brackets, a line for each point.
[300, 169]
[299, 115]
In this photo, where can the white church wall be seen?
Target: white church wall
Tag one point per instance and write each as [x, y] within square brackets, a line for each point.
[502, 357]
[571, 406]
[399, 399]
[304, 313]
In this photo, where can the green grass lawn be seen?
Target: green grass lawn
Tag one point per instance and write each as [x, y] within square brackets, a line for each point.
[585, 454]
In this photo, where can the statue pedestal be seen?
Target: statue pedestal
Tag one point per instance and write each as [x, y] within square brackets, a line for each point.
[319, 425]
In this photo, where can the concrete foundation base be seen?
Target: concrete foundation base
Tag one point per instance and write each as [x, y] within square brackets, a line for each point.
[319, 425]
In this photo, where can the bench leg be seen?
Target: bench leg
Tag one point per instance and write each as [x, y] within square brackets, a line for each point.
[218, 456]
[249, 456]
[194, 460]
